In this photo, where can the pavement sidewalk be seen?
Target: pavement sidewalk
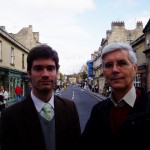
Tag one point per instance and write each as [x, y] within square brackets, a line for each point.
[98, 95]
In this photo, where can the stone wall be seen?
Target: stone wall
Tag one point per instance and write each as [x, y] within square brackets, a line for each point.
[27, 37]
[119, 33]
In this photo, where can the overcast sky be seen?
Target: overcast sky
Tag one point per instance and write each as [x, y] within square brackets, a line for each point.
[74, 28]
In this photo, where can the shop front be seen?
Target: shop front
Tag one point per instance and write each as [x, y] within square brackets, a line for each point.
[10, 79]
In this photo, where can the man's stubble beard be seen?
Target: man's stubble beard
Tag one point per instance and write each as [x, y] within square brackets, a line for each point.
[48, 89]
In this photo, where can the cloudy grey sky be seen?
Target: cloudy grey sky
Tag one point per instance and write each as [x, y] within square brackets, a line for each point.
[74, 28]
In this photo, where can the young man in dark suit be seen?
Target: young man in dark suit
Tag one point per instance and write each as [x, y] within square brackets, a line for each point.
[23, 125]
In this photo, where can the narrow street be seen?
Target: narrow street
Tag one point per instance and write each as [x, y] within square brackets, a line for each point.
[84, 101]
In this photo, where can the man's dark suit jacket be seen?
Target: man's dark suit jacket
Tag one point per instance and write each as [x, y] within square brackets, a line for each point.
[21, 128]
[132, 134]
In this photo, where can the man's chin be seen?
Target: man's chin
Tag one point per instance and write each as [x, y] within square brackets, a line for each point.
[118, 87]
[46, 89]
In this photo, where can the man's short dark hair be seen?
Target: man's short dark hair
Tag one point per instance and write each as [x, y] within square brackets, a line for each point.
[42, 51]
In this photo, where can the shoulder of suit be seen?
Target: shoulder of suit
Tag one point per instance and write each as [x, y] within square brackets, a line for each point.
[58, 98]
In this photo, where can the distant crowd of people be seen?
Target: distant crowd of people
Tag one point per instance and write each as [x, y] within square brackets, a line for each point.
[95, 88]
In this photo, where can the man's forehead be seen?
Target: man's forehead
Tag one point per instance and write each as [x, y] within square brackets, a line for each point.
[116, 56]
[116, 60]
[117, 51]
[43, 62]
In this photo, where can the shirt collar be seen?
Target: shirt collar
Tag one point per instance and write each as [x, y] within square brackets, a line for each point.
[39, 103]
[129, 98]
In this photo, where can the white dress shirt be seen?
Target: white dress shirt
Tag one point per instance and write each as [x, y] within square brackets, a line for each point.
[129, 98]
[39, 104]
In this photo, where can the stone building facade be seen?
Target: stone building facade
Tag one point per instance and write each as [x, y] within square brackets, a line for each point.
[13, 55]
[146, 32]
[118, 33]
[27, 37]
[139, 46]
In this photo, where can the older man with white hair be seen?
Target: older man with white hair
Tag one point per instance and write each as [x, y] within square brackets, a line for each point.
[122, 121]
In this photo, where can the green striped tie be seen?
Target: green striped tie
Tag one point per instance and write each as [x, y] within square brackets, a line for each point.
[47, 111]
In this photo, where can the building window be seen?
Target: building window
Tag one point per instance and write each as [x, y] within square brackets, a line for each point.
[137, 80]
[12, 56]
[0, 51]
[23, 67]
[129, 38]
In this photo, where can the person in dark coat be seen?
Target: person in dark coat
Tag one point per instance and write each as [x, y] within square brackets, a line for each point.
[2, 104]
[3, 98]
[122, 121]
[23, 125]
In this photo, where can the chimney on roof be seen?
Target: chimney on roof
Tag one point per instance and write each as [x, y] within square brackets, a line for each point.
[30, 26]
[108, 33]
[117, 23]
[2, 27]
[139, 24]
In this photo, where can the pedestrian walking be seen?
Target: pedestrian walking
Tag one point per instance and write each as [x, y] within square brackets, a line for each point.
[96, 88]
[18, 92]
[3, 98]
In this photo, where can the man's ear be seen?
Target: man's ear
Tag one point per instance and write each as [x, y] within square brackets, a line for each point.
[135, 68]
[29, 74]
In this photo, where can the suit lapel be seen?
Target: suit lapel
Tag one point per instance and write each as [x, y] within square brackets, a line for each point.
[33, 125]
[60, 114]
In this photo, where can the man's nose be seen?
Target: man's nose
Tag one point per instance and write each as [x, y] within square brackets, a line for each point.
[115, 67]
[45, 71]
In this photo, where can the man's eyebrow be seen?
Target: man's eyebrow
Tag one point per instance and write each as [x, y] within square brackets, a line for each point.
[43, 65]
[117, 60]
